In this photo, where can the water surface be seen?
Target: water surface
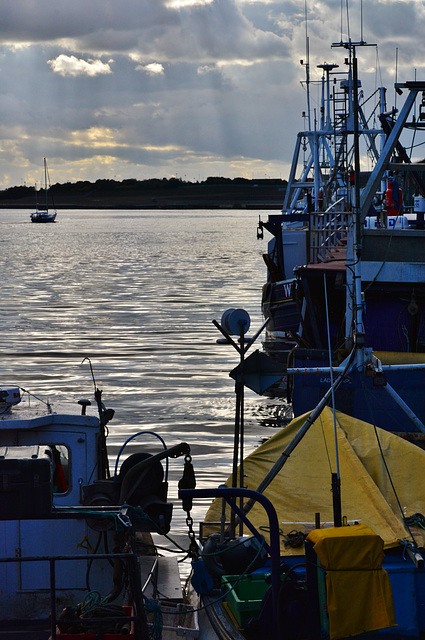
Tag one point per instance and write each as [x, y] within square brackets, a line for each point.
[136, 292]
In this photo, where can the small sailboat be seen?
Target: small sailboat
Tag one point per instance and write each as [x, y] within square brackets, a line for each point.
[42, 213]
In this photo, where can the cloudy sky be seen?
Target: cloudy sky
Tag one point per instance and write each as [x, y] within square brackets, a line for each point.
[192, 88]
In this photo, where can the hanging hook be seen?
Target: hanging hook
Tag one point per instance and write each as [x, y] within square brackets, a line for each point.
[91, 369]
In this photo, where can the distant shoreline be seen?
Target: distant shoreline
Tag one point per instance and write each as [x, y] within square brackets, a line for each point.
[106, 206]
[215, 193]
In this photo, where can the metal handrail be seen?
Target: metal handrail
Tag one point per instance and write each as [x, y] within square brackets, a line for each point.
[134, 578]
[274, 548]
[327, 231]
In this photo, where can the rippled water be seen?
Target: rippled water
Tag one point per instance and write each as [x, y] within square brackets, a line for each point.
[136, 292]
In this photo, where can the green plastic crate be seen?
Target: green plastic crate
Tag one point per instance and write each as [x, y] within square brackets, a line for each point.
[244, 600]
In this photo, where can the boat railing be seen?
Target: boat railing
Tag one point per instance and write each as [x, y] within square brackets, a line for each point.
[229, 494]
[328, 231]
[137, 617]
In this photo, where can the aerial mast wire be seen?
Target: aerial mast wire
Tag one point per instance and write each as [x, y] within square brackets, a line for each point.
[396, 78]
[307, 67]
[348, 21]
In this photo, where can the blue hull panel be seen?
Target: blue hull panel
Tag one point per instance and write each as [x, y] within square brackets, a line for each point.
[359, 397]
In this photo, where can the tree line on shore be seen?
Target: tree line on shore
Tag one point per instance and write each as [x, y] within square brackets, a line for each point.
[110, 187]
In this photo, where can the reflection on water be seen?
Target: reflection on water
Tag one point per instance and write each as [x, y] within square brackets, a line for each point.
[136, 292]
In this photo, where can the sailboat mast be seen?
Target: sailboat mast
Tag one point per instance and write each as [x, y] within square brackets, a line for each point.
[45, 180]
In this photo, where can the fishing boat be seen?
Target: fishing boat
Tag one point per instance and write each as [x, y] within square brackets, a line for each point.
[319, 533]
[42, 212]
[77, 554]
[346, 262]
[301, 553]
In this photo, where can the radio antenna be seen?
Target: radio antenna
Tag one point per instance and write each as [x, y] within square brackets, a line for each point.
[307, 66]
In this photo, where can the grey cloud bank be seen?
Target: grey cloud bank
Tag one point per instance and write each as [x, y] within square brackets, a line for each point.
[126, 89]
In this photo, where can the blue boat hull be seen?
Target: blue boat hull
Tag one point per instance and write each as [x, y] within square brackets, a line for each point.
[360, 397]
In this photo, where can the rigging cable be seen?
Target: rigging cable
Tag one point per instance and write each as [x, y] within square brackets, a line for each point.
[366, 396]
[384, 260]
[332, 377]
[46, 402]
[412, 145]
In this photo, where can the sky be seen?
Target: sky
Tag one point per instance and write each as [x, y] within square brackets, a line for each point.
[118, 89]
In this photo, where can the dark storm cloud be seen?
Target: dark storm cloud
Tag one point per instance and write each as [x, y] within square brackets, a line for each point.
[48, 21]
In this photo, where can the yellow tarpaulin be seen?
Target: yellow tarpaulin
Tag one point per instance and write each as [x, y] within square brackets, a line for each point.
[358, 591]
[303, 486]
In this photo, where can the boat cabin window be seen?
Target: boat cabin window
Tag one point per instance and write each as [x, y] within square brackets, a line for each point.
[61, 468]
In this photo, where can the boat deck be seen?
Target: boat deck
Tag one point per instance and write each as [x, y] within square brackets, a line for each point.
[335, 261]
